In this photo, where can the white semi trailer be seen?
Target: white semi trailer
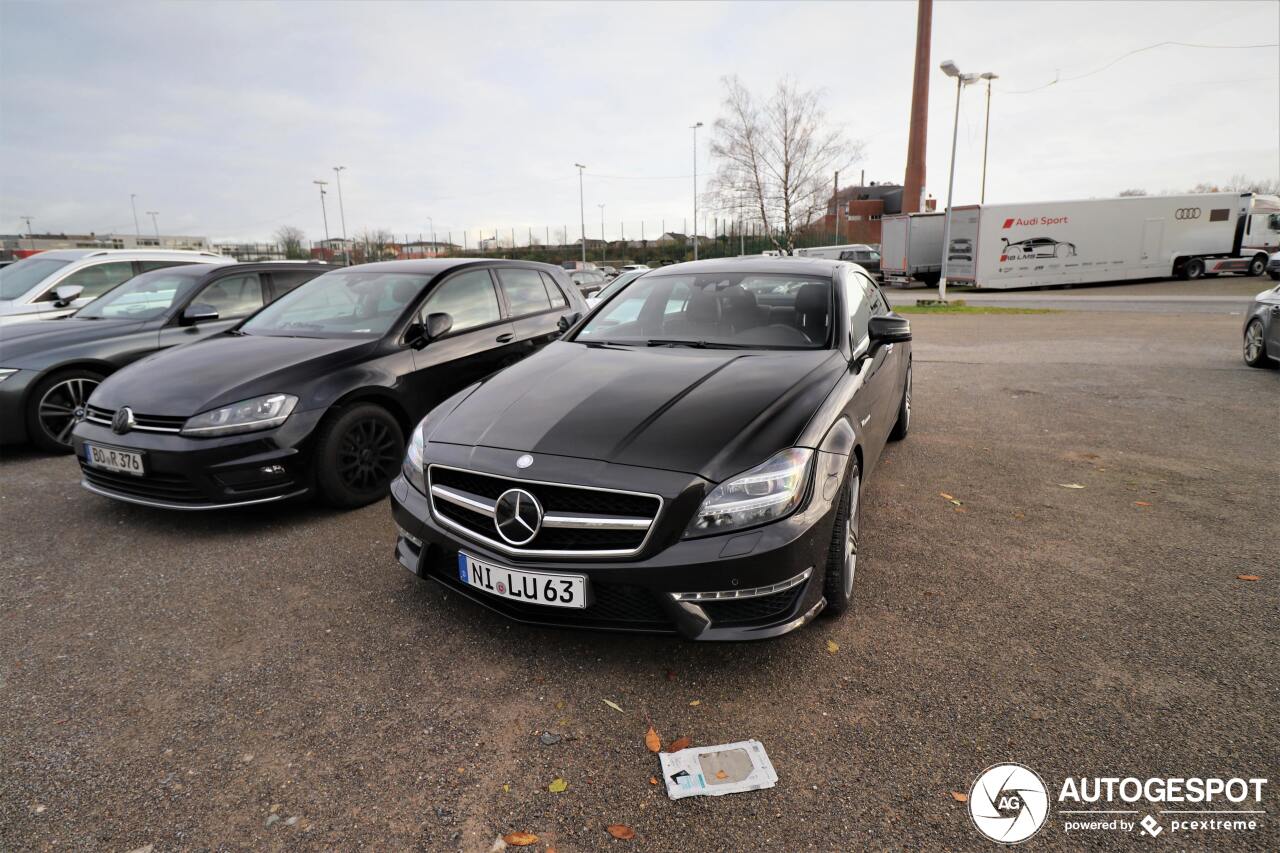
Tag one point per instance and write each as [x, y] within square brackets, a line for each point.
[1041, 244]
[911, 248]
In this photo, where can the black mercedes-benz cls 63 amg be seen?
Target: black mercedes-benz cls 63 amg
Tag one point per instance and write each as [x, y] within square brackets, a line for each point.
[316, 392]
[688, 458]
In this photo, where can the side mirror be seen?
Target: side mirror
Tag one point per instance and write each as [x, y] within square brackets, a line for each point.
[438, 325]
[66, 294]
[198, 312]
[889, 329]
[415, 335]
[567, 320]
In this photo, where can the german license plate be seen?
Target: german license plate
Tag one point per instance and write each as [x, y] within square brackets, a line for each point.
[553, 590]
[114, 459]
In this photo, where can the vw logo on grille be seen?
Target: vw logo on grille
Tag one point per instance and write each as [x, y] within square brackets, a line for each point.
[122, 421]
[518, 516]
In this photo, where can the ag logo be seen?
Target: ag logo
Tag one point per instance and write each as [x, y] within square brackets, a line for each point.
[1008, 803]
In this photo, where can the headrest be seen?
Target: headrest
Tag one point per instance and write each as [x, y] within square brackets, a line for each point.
[404, 291]
[704, 306]
[813, 298]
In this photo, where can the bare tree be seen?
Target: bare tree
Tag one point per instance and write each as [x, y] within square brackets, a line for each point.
[1132, 192]
[290, 240]
[1241, 184]
[376, 243]
[776, 159]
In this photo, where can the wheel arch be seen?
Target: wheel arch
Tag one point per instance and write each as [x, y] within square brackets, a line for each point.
[106, 368]
[383, 397]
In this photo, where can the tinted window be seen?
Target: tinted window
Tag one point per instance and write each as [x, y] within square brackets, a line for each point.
[283, 282]
[859, 308]
[233, 296]
[147, 266]
[468, 298]
[142, 297]
[558, 299]
[17, 278]
[524, 291]
[96, 280]
[340, 304]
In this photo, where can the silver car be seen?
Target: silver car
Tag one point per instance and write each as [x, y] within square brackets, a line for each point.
[56, 283]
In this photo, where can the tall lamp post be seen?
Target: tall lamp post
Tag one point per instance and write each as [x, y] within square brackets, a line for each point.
[582, 215]
[431, 226]
[133, 203]
[602, 243]
[155, 224]
[949, 68]
[694, 128]
[346, 251]
[324, 212]
[986, 135]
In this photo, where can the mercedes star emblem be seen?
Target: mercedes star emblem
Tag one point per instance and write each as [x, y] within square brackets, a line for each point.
[518, 516]
[524, 461]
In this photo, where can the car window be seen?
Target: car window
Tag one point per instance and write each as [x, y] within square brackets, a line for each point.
[879, 305]
[558, 299]
[524, 291]
[96, 280]
[233, 296]
[142, 297]
[859, 306]
[283, 282]
[19, 277]
[342, 303]
[468, 298]
[148, 266]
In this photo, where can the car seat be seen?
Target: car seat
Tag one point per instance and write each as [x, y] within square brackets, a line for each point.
[812, 310]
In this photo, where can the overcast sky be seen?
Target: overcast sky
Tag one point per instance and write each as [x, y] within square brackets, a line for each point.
[220, 115]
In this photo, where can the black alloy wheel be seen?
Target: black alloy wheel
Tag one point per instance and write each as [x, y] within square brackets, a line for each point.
[56, 405]
[358, 453]
[842, 555]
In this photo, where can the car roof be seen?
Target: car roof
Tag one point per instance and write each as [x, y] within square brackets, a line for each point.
[434, 266]
[790, 265]
[130, 254]
[196, 270]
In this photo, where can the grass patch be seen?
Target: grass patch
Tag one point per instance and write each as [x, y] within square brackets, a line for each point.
[969, 309]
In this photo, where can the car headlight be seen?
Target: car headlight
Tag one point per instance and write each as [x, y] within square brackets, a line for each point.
[263, 412]
[6, 372]
[412, 468]
[766, 493]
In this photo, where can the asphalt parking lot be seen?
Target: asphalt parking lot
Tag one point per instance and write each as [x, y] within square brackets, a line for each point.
[273, 679]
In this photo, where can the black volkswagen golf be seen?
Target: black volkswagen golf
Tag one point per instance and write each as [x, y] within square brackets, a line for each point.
[315, 392]
[688, 458]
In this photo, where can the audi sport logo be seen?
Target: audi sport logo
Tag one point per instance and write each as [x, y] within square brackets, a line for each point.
[1187, 213]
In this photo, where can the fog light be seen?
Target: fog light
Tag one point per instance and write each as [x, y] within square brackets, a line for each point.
[753, 592]
[413, 540]
[271, 470]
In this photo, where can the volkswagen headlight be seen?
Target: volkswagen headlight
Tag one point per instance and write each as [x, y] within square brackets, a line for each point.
[412, 468]
[766, 493]
[264, 412]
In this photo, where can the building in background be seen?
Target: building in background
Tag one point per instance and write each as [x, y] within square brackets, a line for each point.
[860, 211]
[426, 249]
[22, 245]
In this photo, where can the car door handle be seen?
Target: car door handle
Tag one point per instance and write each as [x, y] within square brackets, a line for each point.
[505, 338]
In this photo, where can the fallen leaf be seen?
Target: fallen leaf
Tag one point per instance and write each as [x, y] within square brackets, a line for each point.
[1020, 516]
[959, 797]
[695, 703]
[520, 839]
[652, 740]
[557, 786]
[1248, 578]
[947, 496]
[560, 705]
[614, 705]
[653, 780]
[1071, 485]
[506, 789]
[682, 742]
[960, 508]
[720, 774]
[1141, 503]
[832, 647]
[621, 831]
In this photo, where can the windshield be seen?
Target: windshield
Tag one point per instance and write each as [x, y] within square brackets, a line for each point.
[340, 304]
[16, 279]
[733, 310]
[619, 283]
[142, 298]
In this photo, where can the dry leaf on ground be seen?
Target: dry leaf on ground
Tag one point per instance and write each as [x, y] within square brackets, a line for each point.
[832, 647]
[1071, 485]
[652, 740]
[1141, 503]
[682, 742]
[695, 703]
[1248, 578]
[520, 839]
[621, 831]
[959, 797]
[653, 780]
[614, 705]
[557, 785]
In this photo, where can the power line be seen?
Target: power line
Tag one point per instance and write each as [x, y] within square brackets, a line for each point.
[1056, 80]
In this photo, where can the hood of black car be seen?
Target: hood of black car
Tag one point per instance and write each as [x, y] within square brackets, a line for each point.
[224, 369]
[28, 344]
[708, 412]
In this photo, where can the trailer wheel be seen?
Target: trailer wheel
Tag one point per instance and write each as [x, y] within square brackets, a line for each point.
[1258, 265]
[1193, 269]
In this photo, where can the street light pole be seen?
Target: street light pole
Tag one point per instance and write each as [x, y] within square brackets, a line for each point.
[602, 244]
[137, 231]
[346, 252]
[324, 211]
[986, 135]
[31, 240]
[582, 214]
[950, 69]
[431, 226]
[695, 189]
[155, 224]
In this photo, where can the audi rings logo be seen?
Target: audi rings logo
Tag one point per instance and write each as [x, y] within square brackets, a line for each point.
[1008, 803]
[1187, 213]
[518, 516]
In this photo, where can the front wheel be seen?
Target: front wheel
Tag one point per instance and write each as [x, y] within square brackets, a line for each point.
[842, 555]
[1257, 266]
[358, 452]
[1255, 348]
[1193, 269]
[903, 424]
[56, 405]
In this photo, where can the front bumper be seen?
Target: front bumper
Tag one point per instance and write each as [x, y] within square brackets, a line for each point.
[639, 594]
[186, 473]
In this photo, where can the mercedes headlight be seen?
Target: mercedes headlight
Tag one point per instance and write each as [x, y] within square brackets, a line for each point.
[412, 468]
[263, 412]
[766, 493]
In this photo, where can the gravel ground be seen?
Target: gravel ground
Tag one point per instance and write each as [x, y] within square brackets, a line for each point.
[273, 679]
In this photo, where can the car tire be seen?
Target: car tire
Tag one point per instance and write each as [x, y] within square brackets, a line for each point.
[1255, 345]
[56, 404]
[358, 453]
[1257, 266]
[842, 555]
[1193, 269]
[903, 424]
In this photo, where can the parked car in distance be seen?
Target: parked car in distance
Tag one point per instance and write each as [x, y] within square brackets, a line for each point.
[588, 282]
[614, 286]
[1273, 266]
[688, 459]
[865, 257]
[49, 369]
[315, 392]
[633, 267]
[55, 283]
[610, 273]
[1262, 329]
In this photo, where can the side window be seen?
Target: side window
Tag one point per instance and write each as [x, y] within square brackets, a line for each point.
[558, 299]
[283, 282]
[468, 298]
[233, 296]
[879, 305]
[859, 308]
[96, 280]
[524, 291]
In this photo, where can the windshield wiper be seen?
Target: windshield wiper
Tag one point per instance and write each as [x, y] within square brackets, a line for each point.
[698, 344]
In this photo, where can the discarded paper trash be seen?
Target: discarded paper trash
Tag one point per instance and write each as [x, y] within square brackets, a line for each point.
[715, 770]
